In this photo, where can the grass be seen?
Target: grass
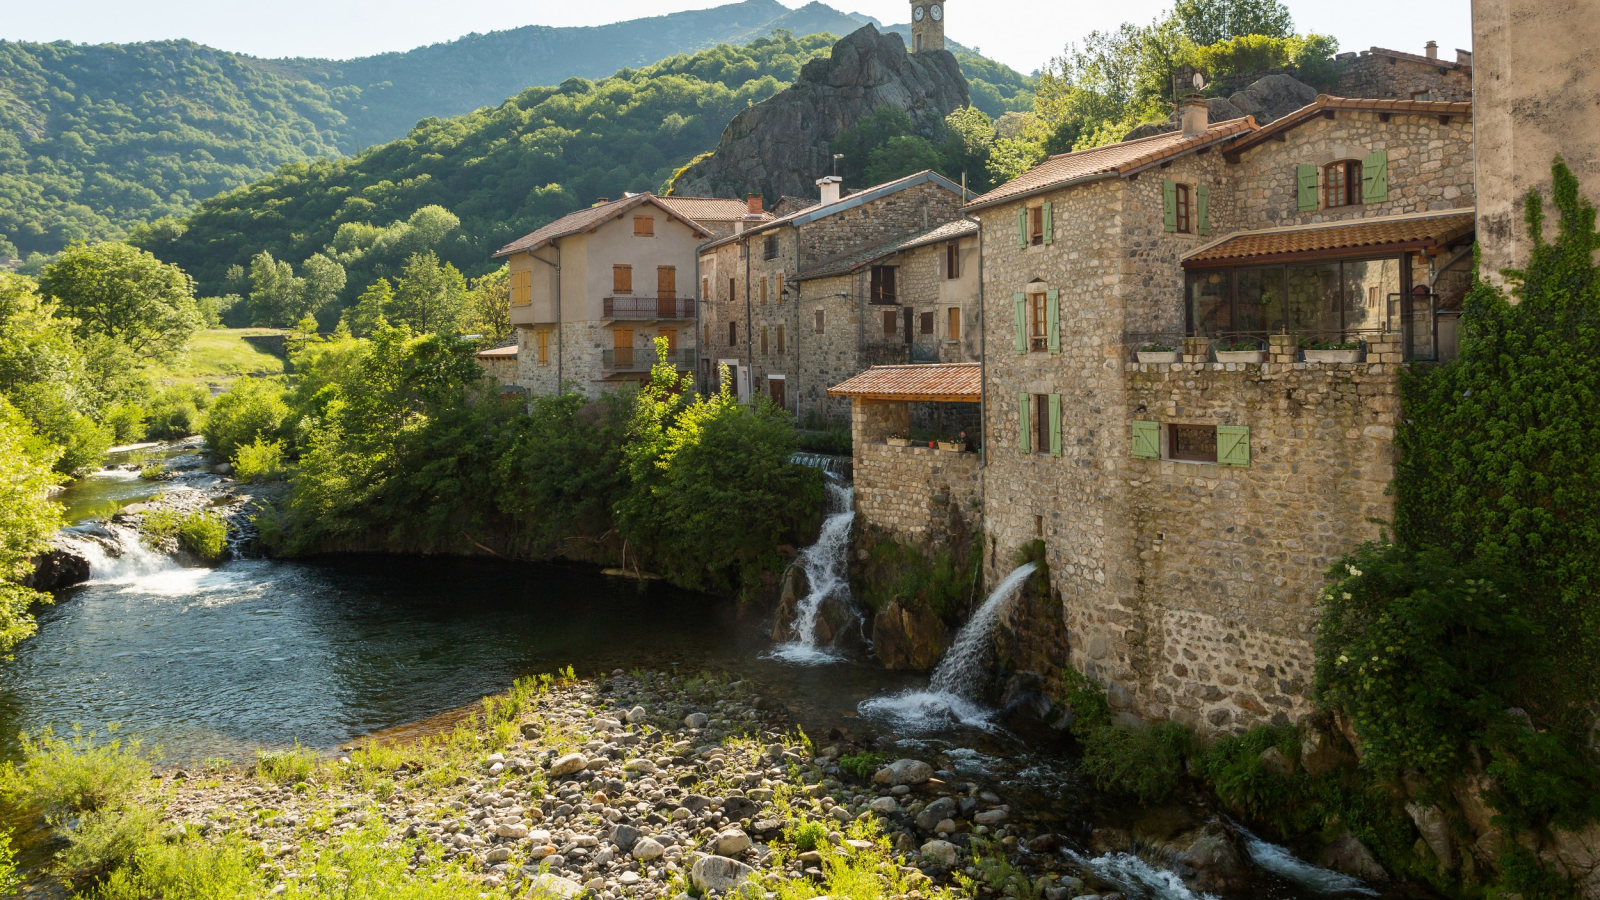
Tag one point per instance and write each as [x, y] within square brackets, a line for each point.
[220, 355]
[290, 765]
[63, 777]
[201, 533]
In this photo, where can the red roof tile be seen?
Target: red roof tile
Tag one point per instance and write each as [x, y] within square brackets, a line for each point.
[1430, 230]
[943, 382]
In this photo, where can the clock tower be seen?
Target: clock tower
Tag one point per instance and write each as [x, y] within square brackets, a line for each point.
[927, 25]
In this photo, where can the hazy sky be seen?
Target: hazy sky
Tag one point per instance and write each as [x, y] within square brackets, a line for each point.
[1022, 33]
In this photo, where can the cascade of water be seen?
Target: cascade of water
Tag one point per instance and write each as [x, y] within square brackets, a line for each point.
[1137, 878]
[1280, 862]
[120, 555]
[825, 565]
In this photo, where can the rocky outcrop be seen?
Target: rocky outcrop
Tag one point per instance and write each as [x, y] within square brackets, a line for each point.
[908, 640]
[1268, 99]
[782, 146]
[834, 618]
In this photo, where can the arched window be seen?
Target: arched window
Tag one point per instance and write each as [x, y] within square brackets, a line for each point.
[1341, 183]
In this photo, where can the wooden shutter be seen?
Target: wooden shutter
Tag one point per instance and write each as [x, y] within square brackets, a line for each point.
[1055, 424]
[1022, 228]
[1233, 445]
[1053, 321]
[953, 329]
[1202, 201]
[781, 346]
[1022, 323]
[1375, 178]
[622, 279]
[1169, 205]
[1049, 223]
[667, 282]
[821, 326]
[891, 323]
[1306, 187]
[1146, 440]
[1024, 429]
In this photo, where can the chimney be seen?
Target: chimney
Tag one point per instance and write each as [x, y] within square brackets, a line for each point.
[1196, 115]
[754, 201]
[832, 188]
[602, 201]
[1432, 51]
[1463, 57]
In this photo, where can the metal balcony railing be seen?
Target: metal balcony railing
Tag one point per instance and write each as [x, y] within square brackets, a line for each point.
[643, 360]
[649, 307]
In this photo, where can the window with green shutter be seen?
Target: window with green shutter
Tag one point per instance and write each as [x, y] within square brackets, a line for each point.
[1146, 440]
[1202, 207]
[1375, 178]
[1024, 427]
[1022, 228]
[1053, 321]
[1306, 183]
[1233, 445]
[1055, 424]
[1022, 323]
[1169, 205]
[1049, 223]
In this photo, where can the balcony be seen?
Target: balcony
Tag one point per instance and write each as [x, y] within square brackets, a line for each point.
[654, 309]
[619, 362]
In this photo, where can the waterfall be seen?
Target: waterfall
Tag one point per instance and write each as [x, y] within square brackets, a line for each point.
[1137, 878]
[826, 567]
[832, 466]
[952, 696]
[1280, 862]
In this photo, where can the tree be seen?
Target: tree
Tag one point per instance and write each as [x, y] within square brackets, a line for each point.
[323, 281]
[278, 297]
[57, 381]
[28, 519]
[371, 312]
[126, 294]
[489, 307]
[429, 298]
[902, 156]
[1207, 22]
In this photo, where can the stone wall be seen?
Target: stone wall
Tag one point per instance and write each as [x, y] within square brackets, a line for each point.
[577, 352]
[900, 214]
[910, 493]
[501, 369]
[1379, 75]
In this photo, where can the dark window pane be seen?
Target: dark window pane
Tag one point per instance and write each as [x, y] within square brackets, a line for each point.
[1196, 443]
[1367, 286]
[1210, 306]
[1260, 304]
[1314, 299]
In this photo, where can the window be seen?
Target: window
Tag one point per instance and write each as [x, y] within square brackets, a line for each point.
[667, 283]
[891, 323]
[780, 284]
[769, 248]
[707, 332]
[622, 279]
[1321, 300]
[542, 340]
[1038, 322]
[1184, 207]
[763, 339]
[733, 334]
[883, 287]
[521, 288]
[925, 323]
[1341, 184]
[644, 226]
[1041, 423]
[1194, 443]
[781, 347]
[1036, 225]
[821, 326]
[733, 289]
[952, 260]
[953, 327]
[705, 288]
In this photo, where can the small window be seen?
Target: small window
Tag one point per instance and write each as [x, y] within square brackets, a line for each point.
[707, 332]
[763, 339]
[644, 226]
[953, 327]
[925, 323]
[521, 288]
[622, 279]
[883, 284]
[1341, 184]
[705, 288]
[821, 325]
[543, 337]
[1038, 322]
[952, 260]
[891, 323]
[1193, 443]
[769, 248]
[780, 284]
[1036, 226]
[733, 289]
[781, 346]
[1183, 207]
[763, 291]
[1041, 424]
[733, 334]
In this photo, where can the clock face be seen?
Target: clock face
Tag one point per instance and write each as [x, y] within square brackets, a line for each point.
[938, 12]
[919, 14]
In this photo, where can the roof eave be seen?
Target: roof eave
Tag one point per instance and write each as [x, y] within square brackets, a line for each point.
[1044, 189]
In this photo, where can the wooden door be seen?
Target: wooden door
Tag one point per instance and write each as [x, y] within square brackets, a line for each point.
[778, 388]
[667, 292]
[622, 344]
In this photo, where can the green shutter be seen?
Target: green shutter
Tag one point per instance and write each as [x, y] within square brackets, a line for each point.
[1055, 424]
[1146, 440]
[1052, 321]
[1375, 178]
[1306, 180]
[1233, 445]
[1024, 429]
[1022, 323]
[1022, 228]
[1049, 223]
[1202, 203]
[1169, 203]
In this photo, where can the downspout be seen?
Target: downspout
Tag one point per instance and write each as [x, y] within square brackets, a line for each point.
[798, 292]
[749, 328]
[560, 356]
[983, 348]
[697, 332]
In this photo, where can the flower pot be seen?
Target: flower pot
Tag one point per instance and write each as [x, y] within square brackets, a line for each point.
[1334, 356]
[952, 447]
[1240, 356]
[1159, 356]
[899, 442]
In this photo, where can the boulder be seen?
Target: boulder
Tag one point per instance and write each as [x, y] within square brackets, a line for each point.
[696, 720]
[719, 874]
[1435, 828]
[647, 849]
[571, 764]
[1576, 854]
[64, 566]
[941, 854]
[908, 640]
[625, 836]
[1211, 859]
[1275, 762]
[936, 812]
[1319, 753]
[731, 843]
[553, 887]
[1347, 854]
[905, 771]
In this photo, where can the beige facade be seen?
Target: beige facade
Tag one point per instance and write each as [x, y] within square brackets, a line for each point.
[1538, 95]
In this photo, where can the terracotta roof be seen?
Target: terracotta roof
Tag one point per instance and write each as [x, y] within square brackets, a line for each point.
[588, 220]
[500, 353]
[850, 262]
[1111, 160]
[709, 209]
[1396, 232]
[823, 210]
[1324, 103]
[944, 382]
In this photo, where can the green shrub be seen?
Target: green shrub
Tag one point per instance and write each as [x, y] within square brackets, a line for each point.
[101, 840]
[1542, 778]
[254, 410]
[833, 441]
[63, 777]
[943, 582]
[176, 412]
[188, 870]
[863, 765]
[261, 460]
[154, 472]
[1147, 763]
[807, 835]
[9, 882]
[126, 421]
[201, 533]
[290, 765]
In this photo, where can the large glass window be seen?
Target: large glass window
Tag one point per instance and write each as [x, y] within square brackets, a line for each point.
[1211, 303]
[1367, 287]
[1314, 298]
[1260, 299]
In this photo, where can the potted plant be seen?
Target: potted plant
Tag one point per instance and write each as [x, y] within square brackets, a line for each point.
[957, 444]
[1159, 353]
[1334, 351]
[900, 439]
[1241, 351]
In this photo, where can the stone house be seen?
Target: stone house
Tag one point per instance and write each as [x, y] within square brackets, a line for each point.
[1150, 412]
[1383, 74]
[803, 301]
[591, 292]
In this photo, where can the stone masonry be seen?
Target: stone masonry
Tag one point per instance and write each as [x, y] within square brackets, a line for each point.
[1382, 74]
[910, 493]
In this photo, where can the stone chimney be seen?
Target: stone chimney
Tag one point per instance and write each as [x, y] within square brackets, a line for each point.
[832, 189]
[1432, 50]
[753, 202]
[1195, 115]
[602, 201]
[1463, 57]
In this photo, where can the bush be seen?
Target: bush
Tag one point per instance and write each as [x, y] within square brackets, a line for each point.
[176, 412]
[261, 460]
[202, 533]
[155, 472]
[188, 870]
[1147, 763]
[832, 442]
[290, 765]
[9, 881]
[942, 583]
[64, 777]
[863, 765]
[807, 835]
[126, 421]
[254, 410]
[104, 839]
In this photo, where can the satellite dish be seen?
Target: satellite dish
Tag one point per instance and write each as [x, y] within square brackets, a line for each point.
[1199, 81]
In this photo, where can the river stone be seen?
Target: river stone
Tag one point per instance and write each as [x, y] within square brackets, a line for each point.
[514, 832]
[648, 849]
[939, 853]
[886, 806]
[498, 855]
[625, 836]
[992, 816]
[641, 765]
[696, 803]
[696, 720]
[731, 843]
[571, 764]
[719, 873]
[636, 716]
[552, 887]
[738, 808]
[905, 771]
[935, 812]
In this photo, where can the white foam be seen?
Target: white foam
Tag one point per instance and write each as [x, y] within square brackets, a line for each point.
[1280, 862]
[1137, 879]
[826, 565]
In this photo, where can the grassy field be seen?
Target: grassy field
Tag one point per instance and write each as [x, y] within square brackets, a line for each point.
[219, 356]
